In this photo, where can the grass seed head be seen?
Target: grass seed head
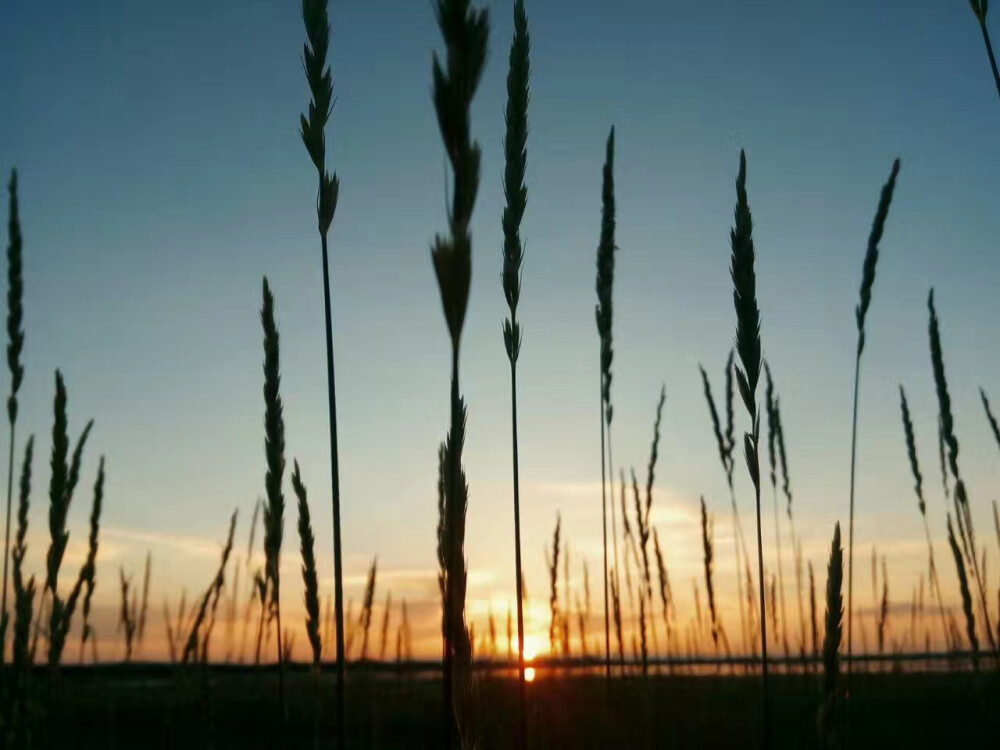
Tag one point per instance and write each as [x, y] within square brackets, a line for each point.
[871, 254]
[515, 191]
[606, 250]
[15, 294]
[306, 545]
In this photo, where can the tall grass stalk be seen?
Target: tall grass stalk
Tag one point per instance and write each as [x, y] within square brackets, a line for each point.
[191, 643]
[62, 484]
[89, 565]
[465, 31]
[585, 612]
[312, 130]
[963, 515]
[707, 548]
[830, 716]
[144, 601]
[253, 592]
[665, 593]
[786, 489]
[918, 488]
[386, 613]
[310, 583]
[748, 347]
[408, 635]
[643, 526]
[552, 562]
[861, 312]
[699, 621]
[567, 608]
[307, 544]
[772, 429]
[630, 551]
[126, 612]
[168, 626]
[274, 453]
[979, 8]
[963, 583]
[604, 315]
[996, 521]
[883, 608]
[24, 599]
[994, 427]
[812, 612]
[217, 588]
[725, 446]
[516, 194]
[15, 343]
[616, 606]
[367, 604]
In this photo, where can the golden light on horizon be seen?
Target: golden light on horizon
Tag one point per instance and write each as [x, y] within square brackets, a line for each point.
[532, 646]
[529, 674]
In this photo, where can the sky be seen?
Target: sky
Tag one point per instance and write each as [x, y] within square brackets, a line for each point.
[162, 176]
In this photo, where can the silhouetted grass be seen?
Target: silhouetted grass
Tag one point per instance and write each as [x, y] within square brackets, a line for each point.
[748, 347]
[127, 613]
[62, 484]
[861, 312]
[15, 343]
[772, 451]
[830, 721]
[918, 488]
[306, 545]
[963, 583]
[312, 130]
[516, 194]
[979, 8]
[963, 515]
[708, 554]
[194, 634]
[367, 604]
[994, 428]
[17, 707]
[465, 32]
[552, 562]
[604, 317]
[89, 567]
[725, 446]
[274, 453]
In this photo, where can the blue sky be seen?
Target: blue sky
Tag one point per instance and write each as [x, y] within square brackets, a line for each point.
[162, 176]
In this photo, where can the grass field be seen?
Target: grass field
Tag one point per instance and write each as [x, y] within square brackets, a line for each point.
[896, 697]
[155, 706]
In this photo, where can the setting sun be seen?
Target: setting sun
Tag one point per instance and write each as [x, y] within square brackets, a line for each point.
[529, 674]
[532, 645]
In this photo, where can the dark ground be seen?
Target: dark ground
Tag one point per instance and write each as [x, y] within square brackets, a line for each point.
[237, 708]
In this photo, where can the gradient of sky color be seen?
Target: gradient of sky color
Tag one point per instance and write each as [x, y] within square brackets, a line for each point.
[162, 176]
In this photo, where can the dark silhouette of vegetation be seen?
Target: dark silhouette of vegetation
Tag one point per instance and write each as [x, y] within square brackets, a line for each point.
[15, 343]
[605, 282]
[312, 130]
[748, 347]
[120, 702]
[726, 444]
[918, 488]
[274, 453]
[516, 194]
[771, 409]
[830, 722]
[62, 485]
[860, 313]
[963, 514]
[979, 8]
[465, 31]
